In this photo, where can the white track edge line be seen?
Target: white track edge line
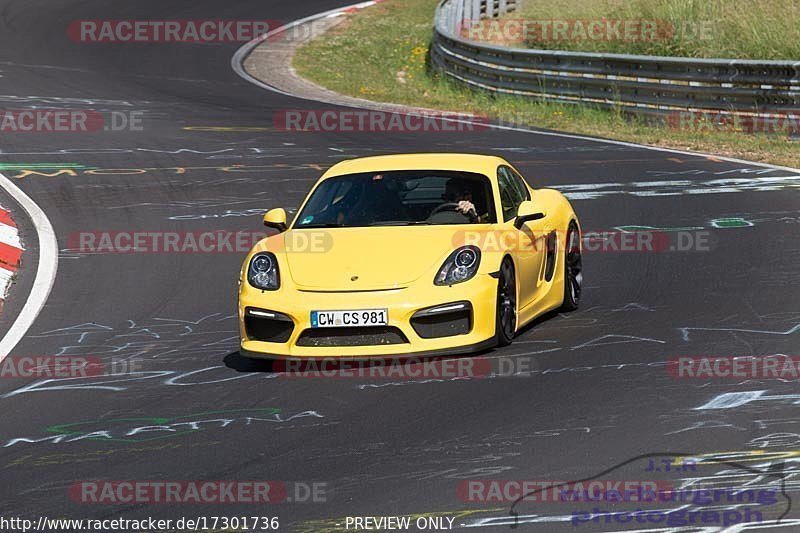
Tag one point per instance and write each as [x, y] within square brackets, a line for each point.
[45, 271]
[237, 63]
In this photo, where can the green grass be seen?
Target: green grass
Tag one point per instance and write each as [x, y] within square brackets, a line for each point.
[753, 29]
[380, 54]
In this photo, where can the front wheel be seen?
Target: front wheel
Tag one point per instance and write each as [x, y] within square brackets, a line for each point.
[506, 315]
[573, 276]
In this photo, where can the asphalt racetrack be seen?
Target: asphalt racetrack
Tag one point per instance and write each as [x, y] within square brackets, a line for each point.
[598, 398]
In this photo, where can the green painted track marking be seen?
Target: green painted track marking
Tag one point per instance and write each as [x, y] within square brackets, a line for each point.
[733, 222]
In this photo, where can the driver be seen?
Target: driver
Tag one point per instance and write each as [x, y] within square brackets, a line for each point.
[455, 192]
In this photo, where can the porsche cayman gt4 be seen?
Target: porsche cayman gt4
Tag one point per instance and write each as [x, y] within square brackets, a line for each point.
[417, 254]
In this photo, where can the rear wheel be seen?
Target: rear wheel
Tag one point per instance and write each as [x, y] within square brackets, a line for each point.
[573, 276]
[506, 315]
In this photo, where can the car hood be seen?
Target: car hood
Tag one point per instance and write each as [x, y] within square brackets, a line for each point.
[374, 258]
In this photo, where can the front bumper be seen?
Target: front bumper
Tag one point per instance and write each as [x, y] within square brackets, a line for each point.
[399, 339]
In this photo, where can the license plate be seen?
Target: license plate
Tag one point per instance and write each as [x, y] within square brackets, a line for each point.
[354, 318]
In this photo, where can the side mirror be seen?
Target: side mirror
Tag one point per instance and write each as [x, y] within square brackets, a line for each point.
[275, 218]
[527, 212]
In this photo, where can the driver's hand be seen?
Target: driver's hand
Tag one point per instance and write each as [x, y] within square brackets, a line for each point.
[466, 207]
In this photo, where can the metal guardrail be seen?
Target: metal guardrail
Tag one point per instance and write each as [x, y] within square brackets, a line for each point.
[467, 10]
[637, 83]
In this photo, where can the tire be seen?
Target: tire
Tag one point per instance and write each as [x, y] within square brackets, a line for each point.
[506, 310]
[573, 269]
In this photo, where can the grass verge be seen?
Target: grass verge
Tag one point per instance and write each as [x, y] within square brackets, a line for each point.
[380, 54]
[766, 29]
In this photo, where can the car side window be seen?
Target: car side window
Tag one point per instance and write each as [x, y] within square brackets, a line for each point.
[510, 195]
[522, 187]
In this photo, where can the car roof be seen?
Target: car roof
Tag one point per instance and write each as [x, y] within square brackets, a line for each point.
[483, 164]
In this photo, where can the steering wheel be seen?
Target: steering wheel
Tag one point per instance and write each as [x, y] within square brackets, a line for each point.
[449, 206]
[448, 213]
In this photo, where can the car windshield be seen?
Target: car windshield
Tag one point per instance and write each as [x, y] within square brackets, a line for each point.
[399, 198]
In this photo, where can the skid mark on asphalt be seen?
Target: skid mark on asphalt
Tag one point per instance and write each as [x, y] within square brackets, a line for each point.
[157, 338]
[137, 430]
[685, 331]
[593, 191]
[93, 456]
[606, 340]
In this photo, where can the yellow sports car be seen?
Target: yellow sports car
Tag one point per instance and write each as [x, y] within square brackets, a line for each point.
[416, 254]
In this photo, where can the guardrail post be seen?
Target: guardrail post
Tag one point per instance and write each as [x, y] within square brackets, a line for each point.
[474, 10]
[459, 18]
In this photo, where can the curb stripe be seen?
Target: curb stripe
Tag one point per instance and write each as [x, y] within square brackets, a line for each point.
[5, 278]
[9, 235]
[5, 218]
[9, 256]
[10, 252]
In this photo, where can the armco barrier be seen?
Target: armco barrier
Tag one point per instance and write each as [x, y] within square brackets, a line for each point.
[633, 82]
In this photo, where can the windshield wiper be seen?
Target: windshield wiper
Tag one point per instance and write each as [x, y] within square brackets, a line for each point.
[325, 225]
[402, 223]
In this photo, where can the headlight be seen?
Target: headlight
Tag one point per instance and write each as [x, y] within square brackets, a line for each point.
[263, 272]
[460, 266]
